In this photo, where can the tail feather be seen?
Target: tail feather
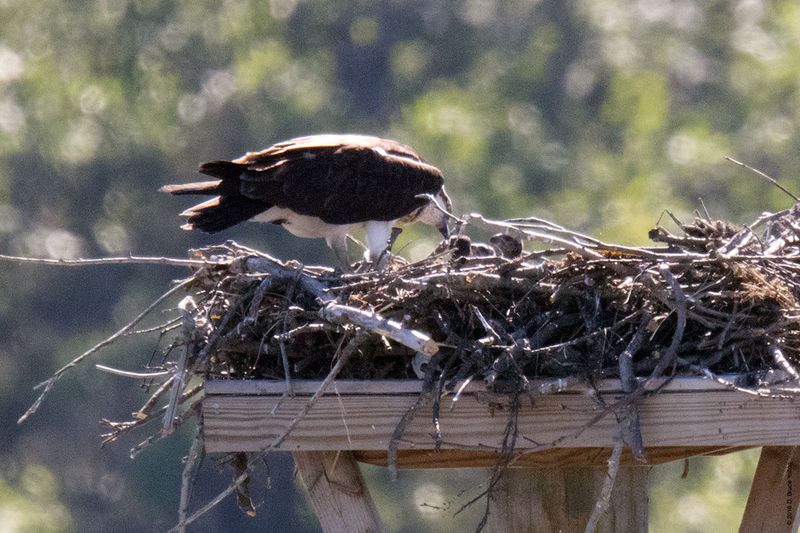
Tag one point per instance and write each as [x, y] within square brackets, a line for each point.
[224, 170]
[221, 213]
[228, 207]
[199, 187]
[195, 209]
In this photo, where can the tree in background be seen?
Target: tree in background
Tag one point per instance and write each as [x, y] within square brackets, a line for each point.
[594, 114]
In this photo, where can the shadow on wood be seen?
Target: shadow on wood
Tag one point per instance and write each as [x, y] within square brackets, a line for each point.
[553, 458]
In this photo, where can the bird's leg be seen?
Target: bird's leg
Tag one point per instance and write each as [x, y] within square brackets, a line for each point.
[383, 259]
[339, 247]
[396, 231]
[377, 234]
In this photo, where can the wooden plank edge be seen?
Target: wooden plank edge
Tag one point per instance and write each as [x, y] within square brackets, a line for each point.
[700, 418]
[552, 458]
[413, 386]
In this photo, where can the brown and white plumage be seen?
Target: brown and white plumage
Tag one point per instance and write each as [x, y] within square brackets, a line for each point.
[321, 186]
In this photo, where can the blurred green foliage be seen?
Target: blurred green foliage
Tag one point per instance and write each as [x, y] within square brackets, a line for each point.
[709, 497]
[596, 114]
[33, 504]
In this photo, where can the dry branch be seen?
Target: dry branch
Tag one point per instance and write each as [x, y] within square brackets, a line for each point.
[413, 339]
[51, 381]
[193, 460]
[604, 500]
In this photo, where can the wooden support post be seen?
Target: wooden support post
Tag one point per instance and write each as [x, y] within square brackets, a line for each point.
[337, 492]
[562, 499]
[772, 506]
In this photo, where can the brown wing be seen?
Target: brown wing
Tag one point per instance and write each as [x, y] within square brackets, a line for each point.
[342, 179]
[332, 141]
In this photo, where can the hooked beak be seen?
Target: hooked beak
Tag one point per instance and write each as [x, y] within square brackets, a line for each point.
[446, 204]
[437, 211]
[442, 227]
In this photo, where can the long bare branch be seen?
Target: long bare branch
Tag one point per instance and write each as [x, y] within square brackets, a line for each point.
[50, 382]
[124, 260]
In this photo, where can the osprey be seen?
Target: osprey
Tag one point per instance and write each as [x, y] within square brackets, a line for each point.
[322, 186]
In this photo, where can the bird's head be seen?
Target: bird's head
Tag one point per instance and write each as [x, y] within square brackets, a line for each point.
[437, 212]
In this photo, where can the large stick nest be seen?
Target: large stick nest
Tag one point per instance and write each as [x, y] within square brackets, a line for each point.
[716, 298]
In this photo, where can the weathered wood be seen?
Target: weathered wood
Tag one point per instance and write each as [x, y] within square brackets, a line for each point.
[562, 499]
[552, 458]
[414, 386]
[337, 492]
[344, 421]
[772, 506]
[553, 486]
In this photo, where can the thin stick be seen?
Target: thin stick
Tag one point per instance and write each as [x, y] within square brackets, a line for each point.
[50, 382]
[510, 229]
[766, 177]
[191, 412]
[631, 430]
[118, 428]
[422, 401]
[153, 399]
[604, 500]
[759, 392]
[126, 260]
[187, 307]
[680, 311]
[161, 328]
[282, 344]
[130, 374]
[193, 461]
[286, 273]
[783, 362]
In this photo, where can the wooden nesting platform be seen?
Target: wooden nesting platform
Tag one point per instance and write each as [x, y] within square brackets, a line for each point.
[563, 438]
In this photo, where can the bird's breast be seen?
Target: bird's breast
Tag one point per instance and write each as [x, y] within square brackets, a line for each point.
[304, 226]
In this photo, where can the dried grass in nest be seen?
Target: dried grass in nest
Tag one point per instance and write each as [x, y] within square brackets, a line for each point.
[712, 300]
